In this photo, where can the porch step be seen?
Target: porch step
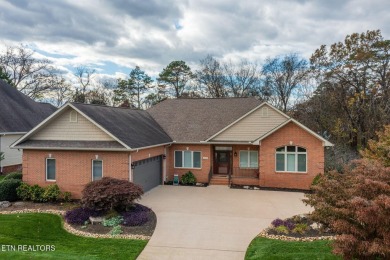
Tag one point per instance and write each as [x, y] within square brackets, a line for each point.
[217, 180]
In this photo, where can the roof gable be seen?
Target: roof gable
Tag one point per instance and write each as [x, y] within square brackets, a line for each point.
[252, 125]
[20, 113]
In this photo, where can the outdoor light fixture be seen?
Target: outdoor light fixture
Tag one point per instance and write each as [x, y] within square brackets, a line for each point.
[132, 166]
[235, 154]
[164, 156]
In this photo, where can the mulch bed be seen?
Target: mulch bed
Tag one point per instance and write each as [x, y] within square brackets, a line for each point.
[146, 229]
[256, 187]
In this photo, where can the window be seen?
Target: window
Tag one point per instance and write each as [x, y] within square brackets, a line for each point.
[50, 169]
[97, 170]
[187, 159]
[249, 159]
[73, 116]
[291, 159]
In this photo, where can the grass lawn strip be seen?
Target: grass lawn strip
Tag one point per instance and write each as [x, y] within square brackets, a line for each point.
[47, 229]
[72, 230]
[269, 249]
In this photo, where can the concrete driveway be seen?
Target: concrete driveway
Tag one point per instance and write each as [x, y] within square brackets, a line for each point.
[213, 222]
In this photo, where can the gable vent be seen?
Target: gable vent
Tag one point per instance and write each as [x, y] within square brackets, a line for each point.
[73, 117]
[264, 112]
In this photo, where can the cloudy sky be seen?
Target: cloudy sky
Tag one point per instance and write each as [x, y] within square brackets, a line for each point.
[115, 35]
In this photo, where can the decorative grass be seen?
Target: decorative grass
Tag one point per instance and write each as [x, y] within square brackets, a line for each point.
[46, 229]
[270, 249]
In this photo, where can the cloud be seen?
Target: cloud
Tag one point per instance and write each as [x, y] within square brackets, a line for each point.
[117, 35]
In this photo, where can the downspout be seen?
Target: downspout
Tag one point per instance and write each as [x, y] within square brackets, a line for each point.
[130, 170]
[165, 163]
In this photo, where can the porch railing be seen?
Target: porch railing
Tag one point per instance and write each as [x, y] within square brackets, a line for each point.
[245, 172]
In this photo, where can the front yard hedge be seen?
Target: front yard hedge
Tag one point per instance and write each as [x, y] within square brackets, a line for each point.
[8, 189]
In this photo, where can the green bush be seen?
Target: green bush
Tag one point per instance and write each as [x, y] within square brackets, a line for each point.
[8, 189]
[300, 228]
[36, 193]
[51, 193]
[116, 230]
[282, 229]
[13, 175]
[112, 222]
[188, 178]
[24, 191]
[66, 196]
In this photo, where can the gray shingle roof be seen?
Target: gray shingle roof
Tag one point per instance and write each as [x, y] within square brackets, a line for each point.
[135, 128]
[194, 120]
[19, 113]
[71, 144]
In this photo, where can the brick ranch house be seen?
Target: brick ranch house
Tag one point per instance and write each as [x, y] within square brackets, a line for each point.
[222, 141]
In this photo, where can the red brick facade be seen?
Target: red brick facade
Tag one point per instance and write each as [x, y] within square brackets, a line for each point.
[11, 168]
[74, 168]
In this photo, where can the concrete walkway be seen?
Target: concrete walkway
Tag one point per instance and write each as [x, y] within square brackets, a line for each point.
[213, 222]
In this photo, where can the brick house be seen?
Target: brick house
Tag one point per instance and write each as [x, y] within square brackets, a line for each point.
[221, 141]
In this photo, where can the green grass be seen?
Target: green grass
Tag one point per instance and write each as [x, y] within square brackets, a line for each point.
[46, 229]
[266, 249]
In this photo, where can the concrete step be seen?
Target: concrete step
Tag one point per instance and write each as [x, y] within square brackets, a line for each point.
[219, 180]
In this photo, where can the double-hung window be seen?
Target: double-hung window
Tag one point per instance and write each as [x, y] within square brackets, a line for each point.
[187, 159]
[291, 159]
[50, 169]
[249, 159]
[97, 170]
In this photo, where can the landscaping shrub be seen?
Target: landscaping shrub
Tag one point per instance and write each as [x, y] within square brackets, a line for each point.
[51, 193]
[13, 175]
[112, 222]
[24, 191]
[117, 230]
[110, 193]
[80, 215]
[282, 229]
[188, 178]
[355, 204]
[277, 222]
[8, 189]
[287, 223]
[300, 228]
[136, 216]
[36, 193]
[316, 180]
[66, 196]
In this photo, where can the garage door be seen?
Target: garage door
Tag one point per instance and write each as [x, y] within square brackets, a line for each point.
[147, 173]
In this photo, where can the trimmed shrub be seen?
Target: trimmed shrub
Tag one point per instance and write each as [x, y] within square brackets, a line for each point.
[24, 191]
[79, 216]
[110, 193]
[66, 196]
[51, 193]
[300, 228]
[8, 189]
[277, 222]
[13, 175]
[287, 223]
[188, 178]
[117, 230]
[36, 193]
[112, 222]
[136, 216]
[282, 230]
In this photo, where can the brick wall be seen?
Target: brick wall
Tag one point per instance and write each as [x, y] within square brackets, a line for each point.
[73, 168]
[202, 175]
[299, 137]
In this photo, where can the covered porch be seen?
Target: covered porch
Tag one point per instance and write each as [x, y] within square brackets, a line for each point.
[235, 164]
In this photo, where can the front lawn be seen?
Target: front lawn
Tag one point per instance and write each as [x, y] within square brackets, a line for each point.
[46, 229]
[264, 248]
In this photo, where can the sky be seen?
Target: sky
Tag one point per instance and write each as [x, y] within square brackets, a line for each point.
[114, 36]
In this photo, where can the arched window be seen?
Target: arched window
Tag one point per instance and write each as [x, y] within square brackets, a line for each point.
[291, 159]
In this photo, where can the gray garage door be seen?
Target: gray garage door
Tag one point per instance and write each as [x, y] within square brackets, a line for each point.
[147, 173]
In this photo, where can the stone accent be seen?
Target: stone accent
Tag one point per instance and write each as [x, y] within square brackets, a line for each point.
[72, 230]
[4, 204]
[265, 234]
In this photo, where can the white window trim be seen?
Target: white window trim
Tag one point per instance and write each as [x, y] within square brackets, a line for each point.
[296, 158]
[248, 151]
[182, 158]
[55, 173]
[92, 169]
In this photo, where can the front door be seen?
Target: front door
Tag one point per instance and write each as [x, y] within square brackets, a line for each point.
[222, 162]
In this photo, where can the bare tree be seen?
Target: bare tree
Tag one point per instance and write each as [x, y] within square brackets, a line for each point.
[61, 90]
[242, 80]
[84, 77]
[283, 75]
[25, 72]
[211, 77]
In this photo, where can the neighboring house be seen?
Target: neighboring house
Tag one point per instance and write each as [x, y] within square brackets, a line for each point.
[222, 141]
[18, 115]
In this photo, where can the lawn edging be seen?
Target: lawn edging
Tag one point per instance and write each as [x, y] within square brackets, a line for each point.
[265, 234]
[72, 230]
